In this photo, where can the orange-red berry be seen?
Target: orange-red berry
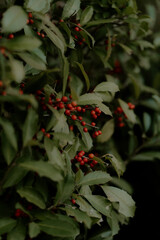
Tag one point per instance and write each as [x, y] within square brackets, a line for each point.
[91, 155]
[74, 117]
[64, 99]
[85, 129]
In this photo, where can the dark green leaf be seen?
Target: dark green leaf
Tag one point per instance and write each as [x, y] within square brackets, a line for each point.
[86, 15]
[33, 60]
[97, 177]
[71, 8]
[19, 232]
[6, 225]
[107, 131]
[84, 75]
[34, 229]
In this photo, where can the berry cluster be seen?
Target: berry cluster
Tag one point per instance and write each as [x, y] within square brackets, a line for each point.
[121, 115]
[30, 18]
[20, 213]
[71, 110]
[83, 160]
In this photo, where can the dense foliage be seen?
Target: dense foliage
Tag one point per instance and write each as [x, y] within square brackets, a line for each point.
[75, 109]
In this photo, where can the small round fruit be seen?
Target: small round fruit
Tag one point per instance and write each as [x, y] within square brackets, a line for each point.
[91, 155]
[85, 129]
[74, 117]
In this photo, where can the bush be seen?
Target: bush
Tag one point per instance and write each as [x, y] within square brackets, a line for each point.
[67, 133]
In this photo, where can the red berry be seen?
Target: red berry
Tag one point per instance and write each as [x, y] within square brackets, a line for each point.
[42, 35]
[121, 125]
[30, 15]
[61, 105]
[58, 99]
[70, 96]
[79, 159]
[27, 21]
[94, 116]
[1, 83]
[93, 112]
[71, 128]
[11, 36]
[83, 110]
[85, 129]
[74, 117]
[81, 153]
[74, 103]
[97, 110]
[94, 162]
[91, 165]
[96, 133]
[99, 132]
[76, 29]
[120, 119]
[85, 160]
[31, 21]
[93, 124]
[73, 201]
[68, 112]
[78, 109]
[79, 24]
[43, 130]
[119, 110]
[83, 123]
[91, 155]
[82, 162]
[70, 106]
[80, 118]
[64, 99]
[4, 93]
[47, 135]
[61, 20]
[76, 36]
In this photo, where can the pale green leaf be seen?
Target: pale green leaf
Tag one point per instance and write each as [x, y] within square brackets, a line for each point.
[71, 8]
[107, 131]
[97, 177]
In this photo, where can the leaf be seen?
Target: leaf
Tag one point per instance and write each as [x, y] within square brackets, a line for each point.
[65, 73]
[118, 165]
[73, 148]
[104, 108]
[34, 229]
[22, 43]
[59, 226]
[100, 21]
[126, 48]
[146, 156]
[84, 74]
[113, 222]
[85, 137]
[65, 189]
[44, 169]
[6, 225]
[126, 203]
[33, 60]
[32, 196]
[38, 5]
[86, 15]
[55, 39]
[19, 232]
[71, 8]
[128, 112]
[107, 86]
[89, 98]
[30, 126]
[54, 154]
[146, 121]
[79, 216]
[17, 70]
[86, 207]
[107, 131]
[97, 177]
[14, 19]
[7, 149]
[9, 132]
[100, 203]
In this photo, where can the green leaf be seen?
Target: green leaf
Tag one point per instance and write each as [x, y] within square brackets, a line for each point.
[73, 148]
[19, 232]
[89, 98]
[54, 155]
[118, 165]
[79, 216]
[86, 15]
[55, 39]
[22, 43]
[38, 5]
[146, 156]
[34, 229]
[30, 126]
[126, 203]
[107, 86]
[6, 225]
[84, 74]
[65, 189]
[113, 222]
[32, 196]
[128, 112]
[59, 226]
[33, 60]
[126, 48]
[100, 21]
[7, 149]
[100, 203]
[85, 137]
[97, 177]
[65, 73]
[9, 132]
[107, 131]
[146, 121]
[71, 8]
[44, 169]
[104, 108]
[17, 70]
[86, 207]
[14, 19]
